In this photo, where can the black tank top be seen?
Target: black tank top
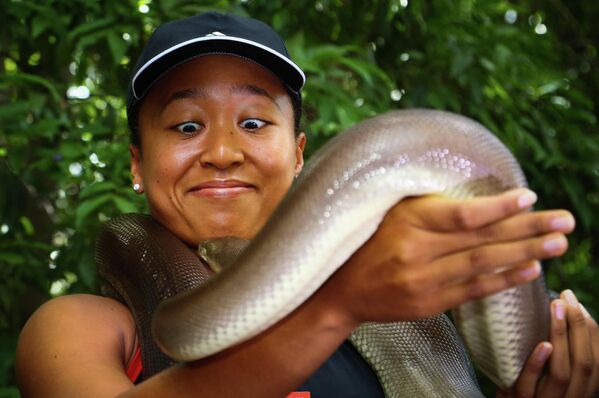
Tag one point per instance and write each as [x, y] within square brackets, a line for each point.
[345, 374]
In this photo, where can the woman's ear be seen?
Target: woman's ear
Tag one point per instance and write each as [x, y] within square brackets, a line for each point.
[137, 179]
[300, 144]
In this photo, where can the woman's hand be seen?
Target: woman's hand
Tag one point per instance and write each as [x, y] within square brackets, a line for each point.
[432, 253]
[573, 354]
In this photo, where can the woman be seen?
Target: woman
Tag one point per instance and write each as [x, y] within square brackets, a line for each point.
[214, 111]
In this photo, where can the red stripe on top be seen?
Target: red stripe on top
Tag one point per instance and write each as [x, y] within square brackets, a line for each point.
[134, 368]
[299, 394]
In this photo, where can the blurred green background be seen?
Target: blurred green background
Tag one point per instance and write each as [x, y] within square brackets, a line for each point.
[525, 69]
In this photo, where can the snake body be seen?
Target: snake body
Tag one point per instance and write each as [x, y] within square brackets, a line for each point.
[334, 207]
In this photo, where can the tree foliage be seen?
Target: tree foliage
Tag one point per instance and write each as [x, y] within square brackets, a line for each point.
[526, 70]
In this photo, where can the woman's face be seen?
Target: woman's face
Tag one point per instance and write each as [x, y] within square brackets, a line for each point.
[218, 150]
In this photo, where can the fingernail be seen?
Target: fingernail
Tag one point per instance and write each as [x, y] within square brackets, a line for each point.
[555, 244]
[570, 297]
[531, 272]
[559, 310]
[543, 352]
[584, 311]
[562, 223]
[527, 199]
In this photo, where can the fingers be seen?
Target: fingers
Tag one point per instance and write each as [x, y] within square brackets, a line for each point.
[445, 215]
[593, 386]
[484, 285]
[520, 226]
[492, 219]
[573, 371]
[526, 385]
[556, 383]
[491, 258]
[579, 340]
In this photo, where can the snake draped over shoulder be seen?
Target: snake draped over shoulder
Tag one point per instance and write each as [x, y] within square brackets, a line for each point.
[332, 209]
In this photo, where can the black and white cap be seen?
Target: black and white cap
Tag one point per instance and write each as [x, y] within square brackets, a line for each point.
[211, 33]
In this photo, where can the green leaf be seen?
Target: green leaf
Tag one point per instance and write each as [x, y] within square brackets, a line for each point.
[487, 64]
[27, 226]
[96, 188]
[87, 268]
[124, 205]
[117, 45]
[21, 77]
[11, 258]
[39, 25]
[549, 87]
[581, 207]
[460, 63]
[70, 150]
[89, 206]
[89, 27]
[9, 392]
[15, 110]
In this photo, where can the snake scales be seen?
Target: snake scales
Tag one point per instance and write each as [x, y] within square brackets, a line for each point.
[332, 210]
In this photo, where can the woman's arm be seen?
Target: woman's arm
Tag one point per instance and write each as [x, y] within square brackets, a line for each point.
[78, 346]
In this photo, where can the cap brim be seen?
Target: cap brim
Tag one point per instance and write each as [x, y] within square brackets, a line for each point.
[281, 66]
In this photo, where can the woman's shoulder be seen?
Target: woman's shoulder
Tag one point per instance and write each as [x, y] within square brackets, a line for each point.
[80, 312]
[79, 335]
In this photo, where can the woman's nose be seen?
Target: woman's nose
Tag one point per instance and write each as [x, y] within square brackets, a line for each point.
[221, 148]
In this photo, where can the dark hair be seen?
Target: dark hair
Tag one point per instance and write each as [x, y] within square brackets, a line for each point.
[133, 118]
[296, 105]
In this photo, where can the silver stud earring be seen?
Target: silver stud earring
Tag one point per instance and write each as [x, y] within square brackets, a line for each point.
[136, 187]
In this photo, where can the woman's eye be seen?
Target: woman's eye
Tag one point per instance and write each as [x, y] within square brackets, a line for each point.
[188, 127]
[252, 124]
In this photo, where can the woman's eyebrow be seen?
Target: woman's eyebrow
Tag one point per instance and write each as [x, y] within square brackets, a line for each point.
[184, 94]
[255, 90]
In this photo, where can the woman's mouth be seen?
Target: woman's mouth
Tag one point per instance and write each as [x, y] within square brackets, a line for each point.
[221, 188]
